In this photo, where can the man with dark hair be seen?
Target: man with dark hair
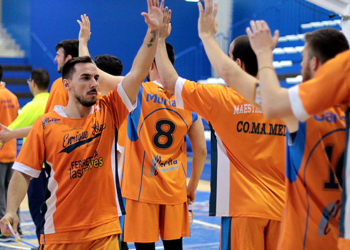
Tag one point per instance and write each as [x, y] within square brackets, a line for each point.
[77, 143]
[247, 177]
[8, 112]
[65, 50]
[315, 146]
[38, 84]
[157, 203]
[110, 64]
[241, 52]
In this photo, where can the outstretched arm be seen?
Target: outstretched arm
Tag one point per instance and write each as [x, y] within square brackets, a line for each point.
[197, 139]
[106, 81]
[166, 71]
[146, 54]
[7, 134]
[230, 72]
[17, 190]
[274, 99]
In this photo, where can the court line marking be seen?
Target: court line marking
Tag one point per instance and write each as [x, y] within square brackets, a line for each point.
[24, 224]
[15, 247]
[207, 224]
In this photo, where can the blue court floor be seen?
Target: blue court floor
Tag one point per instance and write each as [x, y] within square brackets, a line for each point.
[205, 231]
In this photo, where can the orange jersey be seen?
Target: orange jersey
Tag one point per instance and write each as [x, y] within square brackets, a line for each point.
[58, 96]
[8, 112]
[122, 137]
[247, 177]
[314, 172]
[81, 164]
[330, 87]
[155, 160]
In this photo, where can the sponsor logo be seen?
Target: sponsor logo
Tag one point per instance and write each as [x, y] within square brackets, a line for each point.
[261, 128]
[73, 141]
[159, 166]
[161, 100]
[245, 109]
[79, 168]
[48, 121]
[328, 214]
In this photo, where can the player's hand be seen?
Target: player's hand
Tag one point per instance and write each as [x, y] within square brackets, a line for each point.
[13, 219]
[154, 17]
[5, 135]
[84, 33]
[191, 194]
[165, 30]
[260, 37]
[207, 22]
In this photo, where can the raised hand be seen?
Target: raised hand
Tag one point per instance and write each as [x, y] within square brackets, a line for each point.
[84, 33]
[207, 22]
[165, 30]
[260, 37]
[5, 135]
[154, 17]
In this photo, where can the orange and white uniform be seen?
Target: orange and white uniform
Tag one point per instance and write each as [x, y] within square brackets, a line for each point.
[58, 95]
[155, 160]
[247, 177]
[330, 87]
[81, 162]
[8, 112]
[314, 167]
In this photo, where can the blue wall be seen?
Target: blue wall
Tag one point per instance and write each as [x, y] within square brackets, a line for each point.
[16, 19]
[117, 27]
[284, 15]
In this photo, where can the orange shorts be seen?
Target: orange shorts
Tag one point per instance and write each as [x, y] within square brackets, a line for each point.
[343, 244]
[107, 243]
[248, 233]
[144, 222]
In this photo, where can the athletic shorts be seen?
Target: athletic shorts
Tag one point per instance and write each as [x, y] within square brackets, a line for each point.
[247, 233]
[107, 243]
[343, 244]
[144, 222]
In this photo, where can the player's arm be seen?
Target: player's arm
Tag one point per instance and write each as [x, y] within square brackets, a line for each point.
[274, 99]
[7, 134]
[145, 56]
[106, 81]
[197, 139]
[16, 192]
[166, 71]
[230, 72]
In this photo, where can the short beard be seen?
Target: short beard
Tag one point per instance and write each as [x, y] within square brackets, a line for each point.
[85, 103]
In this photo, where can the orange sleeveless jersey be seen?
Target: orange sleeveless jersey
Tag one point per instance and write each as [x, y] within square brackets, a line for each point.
[249, 177]
[81, 163]
[330, 87]
[8, 112]
[155, 161]
[314, 173]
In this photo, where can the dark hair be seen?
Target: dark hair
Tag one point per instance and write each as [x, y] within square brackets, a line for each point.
[41, 78]
[110, 64]
[0, 73]
[245, 53]
[171, 53]
[68, 68]
[70, 47]
[326, 43]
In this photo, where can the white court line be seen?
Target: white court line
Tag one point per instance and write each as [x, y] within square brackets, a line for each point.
[16, 247]
[190, 246]
[27, 224]
[207, 224]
